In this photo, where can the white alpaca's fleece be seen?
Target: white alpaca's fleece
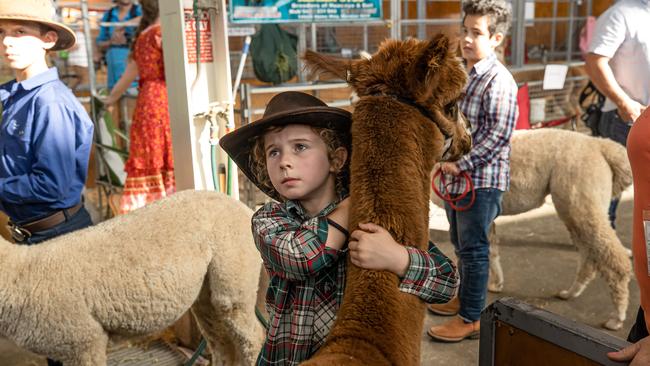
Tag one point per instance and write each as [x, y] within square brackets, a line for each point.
[582, 174]
[137, 274]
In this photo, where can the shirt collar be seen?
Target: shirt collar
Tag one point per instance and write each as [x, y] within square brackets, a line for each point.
[9, 88]
[296, 209]
[45, 77]
[485, 64]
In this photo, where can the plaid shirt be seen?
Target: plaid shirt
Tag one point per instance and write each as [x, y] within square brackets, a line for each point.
[490, 105]
[307, 280]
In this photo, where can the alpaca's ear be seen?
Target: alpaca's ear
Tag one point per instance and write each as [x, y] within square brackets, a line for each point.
[433, 54]
[316, 64]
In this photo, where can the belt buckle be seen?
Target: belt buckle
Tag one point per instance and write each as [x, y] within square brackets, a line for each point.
[18, 233]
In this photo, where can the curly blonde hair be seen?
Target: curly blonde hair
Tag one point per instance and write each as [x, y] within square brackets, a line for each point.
[333, 140]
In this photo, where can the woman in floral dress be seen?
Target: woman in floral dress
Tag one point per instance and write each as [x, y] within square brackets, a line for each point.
[150, 166]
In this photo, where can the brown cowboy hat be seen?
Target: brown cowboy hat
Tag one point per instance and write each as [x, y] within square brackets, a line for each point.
[39, 11]
[284, 109]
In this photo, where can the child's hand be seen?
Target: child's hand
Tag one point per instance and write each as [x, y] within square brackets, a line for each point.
[372, 247]
[450, 168]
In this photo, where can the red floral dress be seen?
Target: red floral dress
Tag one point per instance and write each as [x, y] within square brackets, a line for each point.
[150, 167]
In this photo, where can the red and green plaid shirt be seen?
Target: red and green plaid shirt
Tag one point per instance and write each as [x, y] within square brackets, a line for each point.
[307, 279]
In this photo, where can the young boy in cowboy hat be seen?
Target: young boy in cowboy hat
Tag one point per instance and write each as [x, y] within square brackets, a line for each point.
[298, 155]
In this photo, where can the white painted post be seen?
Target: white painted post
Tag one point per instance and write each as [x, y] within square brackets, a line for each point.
[189, 98]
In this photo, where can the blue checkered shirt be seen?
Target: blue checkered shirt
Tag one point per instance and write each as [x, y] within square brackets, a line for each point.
[490, 105]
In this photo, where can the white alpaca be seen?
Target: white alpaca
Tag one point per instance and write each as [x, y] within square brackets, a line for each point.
[134, 275]
[582, 174]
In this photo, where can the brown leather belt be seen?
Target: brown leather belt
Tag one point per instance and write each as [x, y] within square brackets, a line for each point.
[49, 221]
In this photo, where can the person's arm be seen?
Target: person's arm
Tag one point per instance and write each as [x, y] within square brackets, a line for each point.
[609, 35]
[291, 249]
[500, 104]
[602, 76]
[638, 353]
[429, 275]
[103, 40]
[130, 73]
[53, 169]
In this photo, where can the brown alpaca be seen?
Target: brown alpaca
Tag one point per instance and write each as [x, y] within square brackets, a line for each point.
[399, 126]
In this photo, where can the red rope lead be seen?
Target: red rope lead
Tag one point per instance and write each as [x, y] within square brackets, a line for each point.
[469, 187]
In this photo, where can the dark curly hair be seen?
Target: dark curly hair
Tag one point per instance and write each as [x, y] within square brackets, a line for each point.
[332, 140]
[499, 13]
[150, 13]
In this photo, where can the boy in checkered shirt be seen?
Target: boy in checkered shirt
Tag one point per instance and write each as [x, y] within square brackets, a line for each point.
[490, 105]
[298, 155]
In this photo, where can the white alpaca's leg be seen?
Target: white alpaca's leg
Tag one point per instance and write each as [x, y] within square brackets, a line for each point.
[90, 353]
[616, 269]
[495, 280]
[586, 273]
[210, 322]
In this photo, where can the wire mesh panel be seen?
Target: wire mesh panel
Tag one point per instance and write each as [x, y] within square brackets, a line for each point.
[557, 104]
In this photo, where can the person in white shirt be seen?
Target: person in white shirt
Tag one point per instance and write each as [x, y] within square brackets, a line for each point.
[618, 63]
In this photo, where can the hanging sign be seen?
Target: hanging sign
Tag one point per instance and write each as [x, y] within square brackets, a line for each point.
[205, 34]
[282, 11]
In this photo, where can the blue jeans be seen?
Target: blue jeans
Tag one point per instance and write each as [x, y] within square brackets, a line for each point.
[468, 231]
[80, 220]
[613, 127]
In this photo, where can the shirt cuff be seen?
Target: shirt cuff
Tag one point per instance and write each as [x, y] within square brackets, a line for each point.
[464, 164]
[418, 268]
[323, 229]
[603, 51]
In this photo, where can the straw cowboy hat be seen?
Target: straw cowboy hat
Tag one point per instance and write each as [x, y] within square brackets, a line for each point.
[284, 109]
[39, 11]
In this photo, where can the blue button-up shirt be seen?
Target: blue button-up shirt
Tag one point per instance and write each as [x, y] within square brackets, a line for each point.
[45, 137]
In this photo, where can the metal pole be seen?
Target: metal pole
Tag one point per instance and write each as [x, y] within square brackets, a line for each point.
[520, 35]
[89, 53]
[365, 37]
[314, 39]
[396, 30]
[553, 28]
[569, 47]
[246, 106]
[422, 14]
[302, 46]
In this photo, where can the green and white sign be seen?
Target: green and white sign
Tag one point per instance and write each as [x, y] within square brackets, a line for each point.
[282, 11]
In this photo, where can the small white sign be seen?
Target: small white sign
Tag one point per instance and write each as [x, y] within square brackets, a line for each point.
[529, 13]
[240, 31]
[554, 76]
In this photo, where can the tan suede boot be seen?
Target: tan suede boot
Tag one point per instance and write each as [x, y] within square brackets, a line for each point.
[455, 330]
[448, 309]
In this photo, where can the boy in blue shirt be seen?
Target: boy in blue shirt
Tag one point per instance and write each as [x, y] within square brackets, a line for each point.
[46, 134]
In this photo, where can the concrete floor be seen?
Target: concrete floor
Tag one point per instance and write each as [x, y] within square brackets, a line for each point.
[538, 261]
